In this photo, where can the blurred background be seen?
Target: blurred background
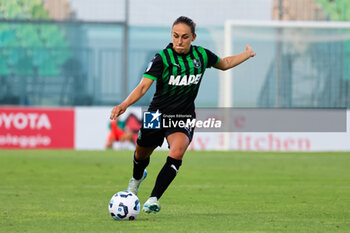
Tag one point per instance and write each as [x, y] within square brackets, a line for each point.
[86, 52]
[89, 53]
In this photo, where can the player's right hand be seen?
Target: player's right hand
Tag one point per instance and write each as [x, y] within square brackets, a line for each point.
[117, 111]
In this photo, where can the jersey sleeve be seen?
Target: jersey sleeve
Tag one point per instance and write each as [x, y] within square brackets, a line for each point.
[155, 68]
[212, 58]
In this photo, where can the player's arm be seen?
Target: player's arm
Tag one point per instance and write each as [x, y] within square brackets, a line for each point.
[232, 61]
[134, 96]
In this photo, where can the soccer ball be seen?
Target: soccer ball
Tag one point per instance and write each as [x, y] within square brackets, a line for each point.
[124, 205]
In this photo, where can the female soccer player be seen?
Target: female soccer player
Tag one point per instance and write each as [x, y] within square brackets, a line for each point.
[178, 71]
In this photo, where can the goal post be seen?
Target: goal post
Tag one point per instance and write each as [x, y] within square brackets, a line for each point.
[299, 34]
[299, 64]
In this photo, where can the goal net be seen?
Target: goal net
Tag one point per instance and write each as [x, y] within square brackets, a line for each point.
[298, 64]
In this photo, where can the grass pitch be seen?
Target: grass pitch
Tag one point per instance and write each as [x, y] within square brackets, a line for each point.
[68, 191]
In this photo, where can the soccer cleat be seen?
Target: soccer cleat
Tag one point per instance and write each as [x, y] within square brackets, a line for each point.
[151, 205]
[134, 185]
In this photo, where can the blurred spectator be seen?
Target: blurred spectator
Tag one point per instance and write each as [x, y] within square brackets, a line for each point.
[123, 131]
[117, 134]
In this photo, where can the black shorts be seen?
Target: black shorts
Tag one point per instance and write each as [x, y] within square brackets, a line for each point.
[155, 137]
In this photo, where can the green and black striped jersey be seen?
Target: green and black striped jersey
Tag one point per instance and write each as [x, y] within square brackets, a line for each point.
[178, 78]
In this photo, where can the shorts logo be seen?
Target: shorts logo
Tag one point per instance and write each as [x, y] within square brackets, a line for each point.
[151, 120]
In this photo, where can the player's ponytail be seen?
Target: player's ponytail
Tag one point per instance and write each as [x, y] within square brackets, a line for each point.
[189, 22]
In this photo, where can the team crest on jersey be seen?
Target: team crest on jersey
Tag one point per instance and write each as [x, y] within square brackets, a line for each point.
[196, 63]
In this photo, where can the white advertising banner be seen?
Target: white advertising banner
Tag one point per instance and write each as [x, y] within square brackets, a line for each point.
[92, 127]
[91, 132]
[273, 141]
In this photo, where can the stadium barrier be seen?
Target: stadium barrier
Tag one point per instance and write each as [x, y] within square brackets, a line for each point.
[86, 128]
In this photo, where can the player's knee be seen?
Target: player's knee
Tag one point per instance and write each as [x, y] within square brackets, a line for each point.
[177, 153]
[142, 153]
[139, 155]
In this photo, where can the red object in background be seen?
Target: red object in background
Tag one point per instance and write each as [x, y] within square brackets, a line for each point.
[116, 133]
[30, 128]
[133, 124]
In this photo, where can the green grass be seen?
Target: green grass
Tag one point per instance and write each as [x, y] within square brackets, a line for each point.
[68, 191]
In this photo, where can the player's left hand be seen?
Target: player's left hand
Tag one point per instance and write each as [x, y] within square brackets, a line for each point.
[250, 51]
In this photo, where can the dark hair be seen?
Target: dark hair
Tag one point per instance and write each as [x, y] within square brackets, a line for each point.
[189, 22]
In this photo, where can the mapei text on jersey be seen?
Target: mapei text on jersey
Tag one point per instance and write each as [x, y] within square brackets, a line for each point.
[184, 80]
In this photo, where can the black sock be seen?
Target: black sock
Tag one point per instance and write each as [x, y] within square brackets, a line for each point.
[139, 167]
[166, 176]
